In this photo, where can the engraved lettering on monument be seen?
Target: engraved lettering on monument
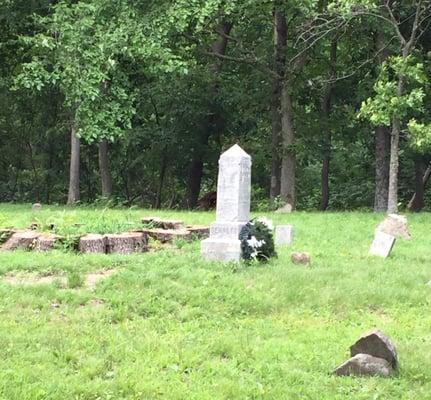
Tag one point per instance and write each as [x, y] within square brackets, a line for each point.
[233, 206]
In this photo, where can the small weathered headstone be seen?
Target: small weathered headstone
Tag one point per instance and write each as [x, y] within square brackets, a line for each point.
[376, 344]
[395, 225]
[364, 365]
[300, 258]
[382, 244]
[92, 243]
[233, 206]
[36, 207]
[284, 234]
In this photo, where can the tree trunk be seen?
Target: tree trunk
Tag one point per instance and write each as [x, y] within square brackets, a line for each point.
[105, 171]
[394, 157]
[382, 142]
[280, 41]
[382, 150]
[197, 164]
[288, 164]
[163, 167]
[417, 201]
[327, 139]
[73, 195]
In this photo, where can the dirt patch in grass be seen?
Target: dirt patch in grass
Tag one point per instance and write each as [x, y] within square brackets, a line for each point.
[30, 279]
[92, 279]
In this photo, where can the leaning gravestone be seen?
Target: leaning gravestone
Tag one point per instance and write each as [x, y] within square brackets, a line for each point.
[382, 244]
[233, 206]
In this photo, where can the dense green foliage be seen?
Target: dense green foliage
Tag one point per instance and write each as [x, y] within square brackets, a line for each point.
[167, 325]
[145, 75]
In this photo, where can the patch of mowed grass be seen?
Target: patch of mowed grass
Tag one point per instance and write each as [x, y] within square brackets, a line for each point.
[173, 327]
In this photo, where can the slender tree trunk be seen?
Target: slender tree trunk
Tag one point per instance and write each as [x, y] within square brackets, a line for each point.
[280, 42]
[382, 154]
[327, 139]
[73, 195]
[104, 168]
[197, 164]
[394, 157]
[382, 143]
[288, 164]
[417, 201]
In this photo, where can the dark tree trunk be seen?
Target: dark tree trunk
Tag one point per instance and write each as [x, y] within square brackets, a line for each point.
[73, 195]
[104, 168]
[327, 138]
[280, 42]
[197, 164]
[288, 164]
[417, 201]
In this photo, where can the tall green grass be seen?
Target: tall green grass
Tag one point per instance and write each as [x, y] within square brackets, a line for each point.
[170, 326]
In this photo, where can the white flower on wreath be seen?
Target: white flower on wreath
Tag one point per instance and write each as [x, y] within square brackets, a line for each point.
[254, 243]
[267, 222]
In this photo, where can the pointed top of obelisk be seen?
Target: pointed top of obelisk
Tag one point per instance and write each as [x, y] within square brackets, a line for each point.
[235, 152]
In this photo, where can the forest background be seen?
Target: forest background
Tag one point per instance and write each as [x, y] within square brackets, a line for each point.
[133, 101]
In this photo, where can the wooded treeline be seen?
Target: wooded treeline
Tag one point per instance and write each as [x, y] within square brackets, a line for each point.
[135, 100]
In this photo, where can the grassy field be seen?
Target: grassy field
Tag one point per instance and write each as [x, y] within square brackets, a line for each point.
[166, 325]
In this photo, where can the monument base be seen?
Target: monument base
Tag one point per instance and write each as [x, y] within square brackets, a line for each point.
[218, 249]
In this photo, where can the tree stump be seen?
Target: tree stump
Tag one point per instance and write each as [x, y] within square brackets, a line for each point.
[198, 231]
[168, 235]
[5, 235]
[158, 223]
[25, 240]
[92, 243]
[126, 243]
[46, 242]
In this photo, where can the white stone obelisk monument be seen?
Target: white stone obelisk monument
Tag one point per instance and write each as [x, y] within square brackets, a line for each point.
[233, 206]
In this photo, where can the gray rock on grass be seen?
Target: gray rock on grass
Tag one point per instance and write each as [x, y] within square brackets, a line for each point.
[364, 365]
[373, 354]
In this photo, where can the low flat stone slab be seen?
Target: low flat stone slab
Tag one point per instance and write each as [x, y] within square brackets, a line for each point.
[126, 243]
[376, 344]
[92, 243]
[364, 365]
[168, 235]
[158, 223]
[219, 249]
